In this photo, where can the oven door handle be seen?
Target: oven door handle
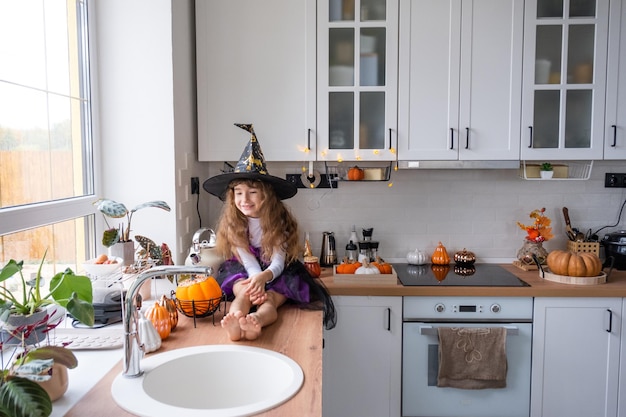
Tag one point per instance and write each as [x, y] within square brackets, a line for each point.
[432, 331]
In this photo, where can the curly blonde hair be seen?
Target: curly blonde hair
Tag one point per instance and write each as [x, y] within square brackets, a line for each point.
[279, 226]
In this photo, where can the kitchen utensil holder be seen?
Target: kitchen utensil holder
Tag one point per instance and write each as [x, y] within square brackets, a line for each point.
[591, 247]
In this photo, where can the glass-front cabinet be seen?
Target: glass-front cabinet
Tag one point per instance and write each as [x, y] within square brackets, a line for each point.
[357, 56]
[564, 79]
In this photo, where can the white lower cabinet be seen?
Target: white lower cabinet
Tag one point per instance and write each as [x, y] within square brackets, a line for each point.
[362, 358]
[576, 356]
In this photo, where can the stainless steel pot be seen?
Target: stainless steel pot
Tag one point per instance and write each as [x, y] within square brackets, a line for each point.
[615, 246]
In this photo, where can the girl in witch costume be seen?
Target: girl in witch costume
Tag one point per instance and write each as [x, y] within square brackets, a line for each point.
[259, 235]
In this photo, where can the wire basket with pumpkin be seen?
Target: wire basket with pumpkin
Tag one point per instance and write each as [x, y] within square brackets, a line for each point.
[198, 296]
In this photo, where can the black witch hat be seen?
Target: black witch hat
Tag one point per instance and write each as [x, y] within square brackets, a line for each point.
[251, 165]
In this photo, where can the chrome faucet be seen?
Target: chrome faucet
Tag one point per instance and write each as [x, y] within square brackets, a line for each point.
[133, 348]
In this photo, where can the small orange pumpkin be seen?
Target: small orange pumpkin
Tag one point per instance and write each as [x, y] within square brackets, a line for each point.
[382, 266]
[170, 306]
[348, 268]
[160, 319]
[356, 174]
[440, 255]
[203, 290]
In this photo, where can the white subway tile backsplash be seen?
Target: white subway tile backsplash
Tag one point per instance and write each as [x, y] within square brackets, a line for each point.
[473, 209]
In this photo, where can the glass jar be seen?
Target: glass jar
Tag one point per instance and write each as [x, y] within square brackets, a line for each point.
[352, 253]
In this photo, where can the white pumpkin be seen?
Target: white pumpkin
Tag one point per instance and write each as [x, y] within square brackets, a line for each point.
[367, 268]
[417, 257]
[148, 335]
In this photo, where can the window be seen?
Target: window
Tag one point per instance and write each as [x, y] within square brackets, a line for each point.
[46, 158]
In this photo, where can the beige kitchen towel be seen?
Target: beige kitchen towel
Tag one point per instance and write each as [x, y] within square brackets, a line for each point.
[472, 357]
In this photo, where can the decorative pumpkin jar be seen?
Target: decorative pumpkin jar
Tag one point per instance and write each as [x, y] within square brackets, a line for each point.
[440, 255]
[417, 257]
[583, 264]
[312, 264]
[464, 257]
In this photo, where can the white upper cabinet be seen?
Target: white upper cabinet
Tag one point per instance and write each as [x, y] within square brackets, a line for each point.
[460, 79]
[615, 125]
[357, 58]
[565, 50]
[256, 64]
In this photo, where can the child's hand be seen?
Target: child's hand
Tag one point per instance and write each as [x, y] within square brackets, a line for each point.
[256, 287]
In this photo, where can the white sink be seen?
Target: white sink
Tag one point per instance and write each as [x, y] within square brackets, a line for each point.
[209, 381]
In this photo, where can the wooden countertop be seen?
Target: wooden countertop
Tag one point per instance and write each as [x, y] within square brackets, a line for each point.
[297, 334]
[614, 287]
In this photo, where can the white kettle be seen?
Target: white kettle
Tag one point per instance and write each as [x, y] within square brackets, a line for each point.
[204, 253]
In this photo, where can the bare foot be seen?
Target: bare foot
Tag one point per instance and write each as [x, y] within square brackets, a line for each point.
[230, 322]
[250, 326]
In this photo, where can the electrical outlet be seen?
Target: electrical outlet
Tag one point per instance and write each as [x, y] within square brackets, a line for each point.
[324, 182]
[195, 185]
[613, 180]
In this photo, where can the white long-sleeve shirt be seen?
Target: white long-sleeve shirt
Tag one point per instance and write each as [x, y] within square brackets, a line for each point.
[249, 261]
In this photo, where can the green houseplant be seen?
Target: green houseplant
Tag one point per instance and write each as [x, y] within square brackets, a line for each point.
[546, 170]
[73, 292]
[115, 210]
[21, 394]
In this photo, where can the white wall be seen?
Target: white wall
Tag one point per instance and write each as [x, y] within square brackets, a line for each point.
[146, 102]
[473, 209]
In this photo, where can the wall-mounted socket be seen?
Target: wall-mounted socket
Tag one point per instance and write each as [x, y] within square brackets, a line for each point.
[195, 185]
[613, 180]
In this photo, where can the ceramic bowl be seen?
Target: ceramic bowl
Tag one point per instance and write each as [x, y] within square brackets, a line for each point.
[102, 270]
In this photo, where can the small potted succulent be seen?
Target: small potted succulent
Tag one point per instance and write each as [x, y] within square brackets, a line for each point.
[546, 170]
[121, 233]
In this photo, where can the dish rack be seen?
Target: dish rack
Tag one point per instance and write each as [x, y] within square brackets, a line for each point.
[371, 172]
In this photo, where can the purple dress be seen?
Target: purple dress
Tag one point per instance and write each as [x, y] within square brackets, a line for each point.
[295, 283]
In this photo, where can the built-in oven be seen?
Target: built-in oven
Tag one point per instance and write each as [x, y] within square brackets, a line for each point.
[422, 317]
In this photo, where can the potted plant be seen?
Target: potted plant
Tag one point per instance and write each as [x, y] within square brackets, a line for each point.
[70, 291]
[33, 379]
[546, 170]
[121, 233]
[36, 375]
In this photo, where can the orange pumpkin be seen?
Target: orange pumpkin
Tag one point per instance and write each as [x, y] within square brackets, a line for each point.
[440, 255]
[160, 319]
[574, 264]
[170, 306]
[348, 268]
[203, 290]
[382, 266]
[356, 174]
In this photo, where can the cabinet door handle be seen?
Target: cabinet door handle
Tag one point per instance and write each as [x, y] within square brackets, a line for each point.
[308, 145]
[451, 138]
[614, 127]
[530, 129]
[610, 329]
[388, 319]
[467, 138]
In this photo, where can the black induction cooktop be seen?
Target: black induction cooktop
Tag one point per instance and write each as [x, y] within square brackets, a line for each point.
[477, 275]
